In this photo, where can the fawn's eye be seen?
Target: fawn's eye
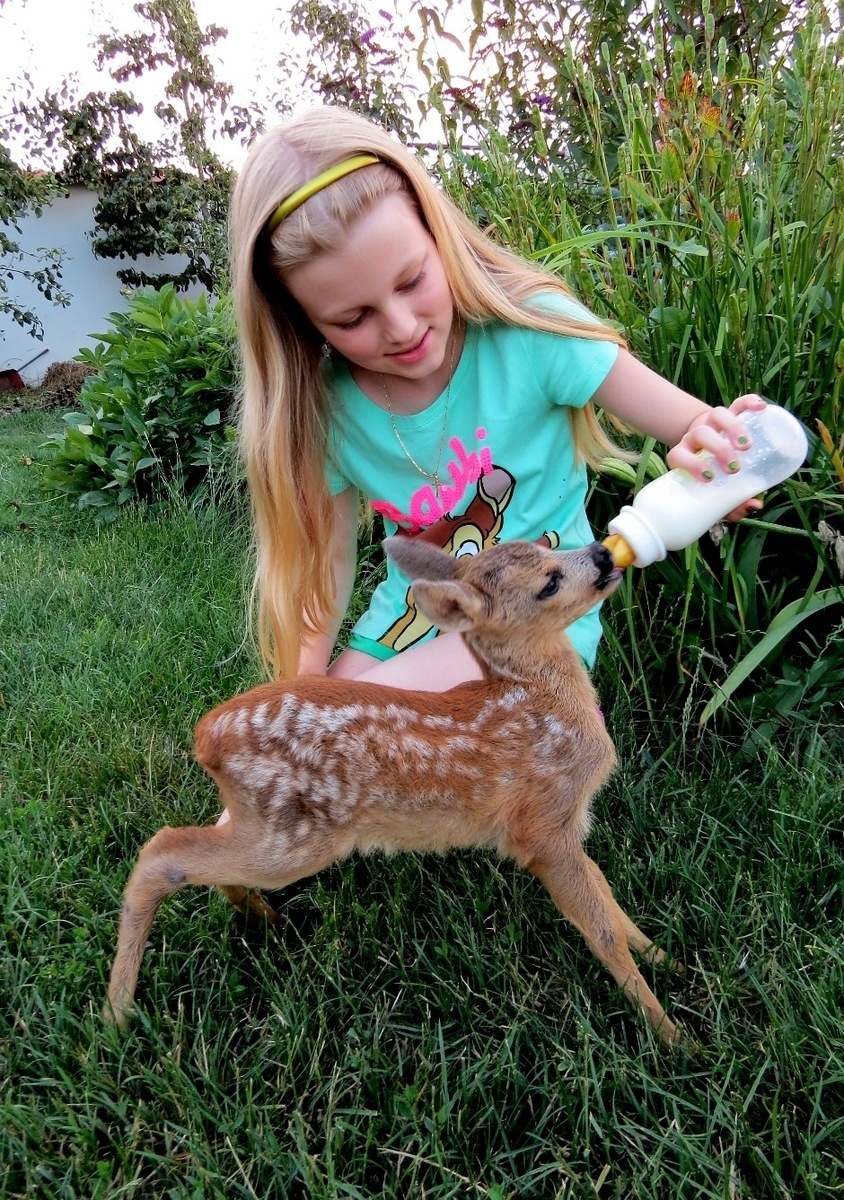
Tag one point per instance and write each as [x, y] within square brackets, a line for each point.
[551, 587]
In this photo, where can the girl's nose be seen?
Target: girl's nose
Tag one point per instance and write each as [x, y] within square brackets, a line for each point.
[399, 323]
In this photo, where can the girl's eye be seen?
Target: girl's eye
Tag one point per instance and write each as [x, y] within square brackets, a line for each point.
[361, 317]
[353, 324]
[412, 283]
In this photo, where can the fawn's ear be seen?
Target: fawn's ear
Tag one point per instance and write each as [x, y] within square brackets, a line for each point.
[451, 606]
[419, 560]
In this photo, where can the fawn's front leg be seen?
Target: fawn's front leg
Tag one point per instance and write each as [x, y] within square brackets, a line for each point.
[579, 889]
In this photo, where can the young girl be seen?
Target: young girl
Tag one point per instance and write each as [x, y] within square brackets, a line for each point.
[391, 350]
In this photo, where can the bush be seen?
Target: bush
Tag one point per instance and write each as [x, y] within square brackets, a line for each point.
[155, 416]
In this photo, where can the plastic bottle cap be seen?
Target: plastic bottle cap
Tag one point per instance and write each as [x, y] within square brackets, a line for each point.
[635, 528]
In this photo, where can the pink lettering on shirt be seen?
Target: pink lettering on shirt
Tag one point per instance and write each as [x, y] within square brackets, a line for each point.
[464, 470]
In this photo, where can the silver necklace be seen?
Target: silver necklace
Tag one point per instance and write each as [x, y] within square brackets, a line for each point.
[434, 475]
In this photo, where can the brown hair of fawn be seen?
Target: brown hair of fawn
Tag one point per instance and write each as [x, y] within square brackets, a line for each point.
[314, 768]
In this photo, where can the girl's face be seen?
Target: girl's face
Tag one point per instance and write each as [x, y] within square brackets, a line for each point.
[382, 299]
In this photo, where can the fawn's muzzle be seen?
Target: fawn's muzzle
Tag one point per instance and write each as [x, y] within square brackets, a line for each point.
[608, 573]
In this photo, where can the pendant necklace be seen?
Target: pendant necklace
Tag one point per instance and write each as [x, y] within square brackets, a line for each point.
[434, 475]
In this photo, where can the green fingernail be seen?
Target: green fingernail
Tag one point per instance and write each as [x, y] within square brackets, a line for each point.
[733, 466]
[744, 441]
[707, 474]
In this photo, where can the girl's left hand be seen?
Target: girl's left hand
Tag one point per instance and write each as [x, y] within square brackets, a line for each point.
[719, 432]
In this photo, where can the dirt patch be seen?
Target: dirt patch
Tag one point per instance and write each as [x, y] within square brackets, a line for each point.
[58, 389]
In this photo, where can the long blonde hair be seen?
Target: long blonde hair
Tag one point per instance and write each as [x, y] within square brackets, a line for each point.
[284, 406]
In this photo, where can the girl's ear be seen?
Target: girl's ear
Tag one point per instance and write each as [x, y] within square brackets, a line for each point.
[451, 606]
[419, 560]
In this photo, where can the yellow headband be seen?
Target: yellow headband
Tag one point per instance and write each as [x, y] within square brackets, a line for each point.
[319, 182]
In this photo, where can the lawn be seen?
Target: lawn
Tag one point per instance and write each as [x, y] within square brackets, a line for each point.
[420, 1027]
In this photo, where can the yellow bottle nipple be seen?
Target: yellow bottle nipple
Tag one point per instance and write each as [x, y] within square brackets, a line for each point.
[622, 554]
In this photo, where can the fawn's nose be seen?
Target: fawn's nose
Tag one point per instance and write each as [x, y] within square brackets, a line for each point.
[608, 574]
[601, 557]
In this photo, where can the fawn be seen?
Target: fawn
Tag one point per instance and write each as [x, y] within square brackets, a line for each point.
[313, 768]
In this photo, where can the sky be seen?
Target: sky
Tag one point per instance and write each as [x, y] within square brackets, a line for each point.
[52, 39]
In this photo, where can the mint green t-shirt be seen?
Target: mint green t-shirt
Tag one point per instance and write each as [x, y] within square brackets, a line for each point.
[507, 461]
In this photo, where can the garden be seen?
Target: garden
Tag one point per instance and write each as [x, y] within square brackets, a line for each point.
[428, 1026]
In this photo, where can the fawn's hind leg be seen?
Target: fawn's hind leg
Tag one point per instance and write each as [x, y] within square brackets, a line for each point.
[636, 940]
[578, 888]
[164, 865]
[250, 903]
[214, 857]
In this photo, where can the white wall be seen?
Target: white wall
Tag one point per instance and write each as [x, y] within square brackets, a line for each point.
[92, 283]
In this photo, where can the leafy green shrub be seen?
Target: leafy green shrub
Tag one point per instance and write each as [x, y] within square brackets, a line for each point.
[156, 414]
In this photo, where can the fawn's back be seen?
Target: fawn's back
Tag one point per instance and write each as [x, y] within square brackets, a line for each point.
[305, 756]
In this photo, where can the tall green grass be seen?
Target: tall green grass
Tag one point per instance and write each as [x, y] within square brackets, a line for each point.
[738, 283]
[420, 1026]
[712, 234]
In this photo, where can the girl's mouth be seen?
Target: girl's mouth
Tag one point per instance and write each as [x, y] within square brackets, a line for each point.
[414, 353]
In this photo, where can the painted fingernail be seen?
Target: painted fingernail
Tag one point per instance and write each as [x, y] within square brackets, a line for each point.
[732, 466]
[743, 441]
[707, 474]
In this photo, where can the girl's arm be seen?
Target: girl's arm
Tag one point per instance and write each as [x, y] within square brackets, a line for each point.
[641, 398]
[317, 648]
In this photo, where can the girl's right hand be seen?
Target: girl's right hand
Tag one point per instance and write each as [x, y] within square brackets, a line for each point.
[719, 432]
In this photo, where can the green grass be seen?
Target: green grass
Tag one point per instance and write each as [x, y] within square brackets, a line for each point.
[421, 1026]
[683, 213]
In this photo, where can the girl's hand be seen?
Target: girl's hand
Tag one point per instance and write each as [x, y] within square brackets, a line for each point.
[724, 437]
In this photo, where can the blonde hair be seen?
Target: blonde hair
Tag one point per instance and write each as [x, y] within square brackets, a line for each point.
[284, 406]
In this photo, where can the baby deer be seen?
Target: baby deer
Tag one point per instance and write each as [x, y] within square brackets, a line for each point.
[313, 768]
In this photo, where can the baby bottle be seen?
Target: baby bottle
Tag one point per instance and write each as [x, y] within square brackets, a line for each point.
[674, 510]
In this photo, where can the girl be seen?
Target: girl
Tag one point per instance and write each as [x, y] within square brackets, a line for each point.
[391, 350]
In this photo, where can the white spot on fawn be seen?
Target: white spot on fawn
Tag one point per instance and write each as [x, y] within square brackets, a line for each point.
[259, 716]
[221, 725]
[431, 722]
